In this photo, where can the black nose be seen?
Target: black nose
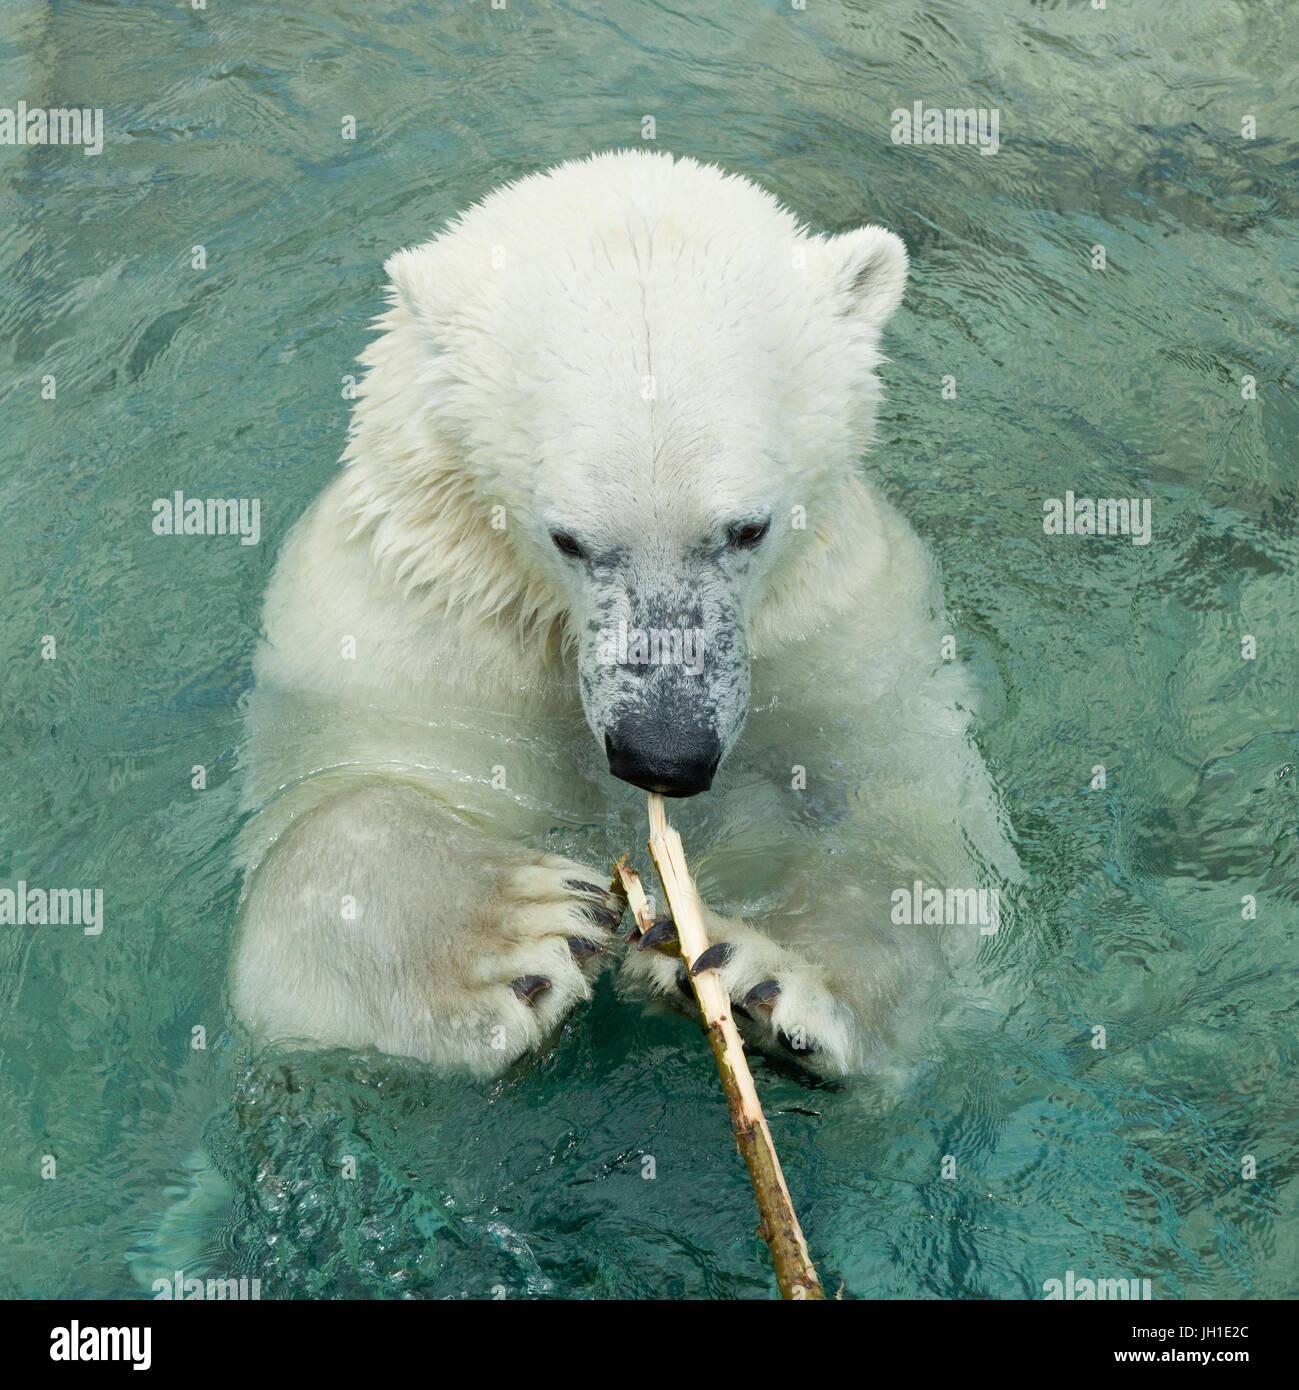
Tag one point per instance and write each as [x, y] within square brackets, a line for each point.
[667, 761]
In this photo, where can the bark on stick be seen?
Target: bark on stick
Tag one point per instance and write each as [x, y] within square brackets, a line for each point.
[780, 1229]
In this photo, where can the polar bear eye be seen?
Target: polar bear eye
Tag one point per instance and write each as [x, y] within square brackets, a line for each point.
[748, 534]
[565, 543]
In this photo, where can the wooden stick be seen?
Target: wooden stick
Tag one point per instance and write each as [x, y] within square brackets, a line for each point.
[780, 1229]
[627, 882]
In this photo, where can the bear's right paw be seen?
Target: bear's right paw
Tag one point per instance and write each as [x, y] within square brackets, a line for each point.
[536, 948]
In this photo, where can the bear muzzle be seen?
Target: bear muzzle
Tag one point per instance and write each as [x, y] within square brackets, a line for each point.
[659, 758]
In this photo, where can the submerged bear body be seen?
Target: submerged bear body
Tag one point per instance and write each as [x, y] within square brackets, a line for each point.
[603, 527]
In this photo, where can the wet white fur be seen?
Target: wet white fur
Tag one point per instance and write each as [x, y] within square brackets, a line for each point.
[510, 372]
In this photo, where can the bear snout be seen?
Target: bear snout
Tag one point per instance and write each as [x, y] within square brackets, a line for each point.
[670, 761]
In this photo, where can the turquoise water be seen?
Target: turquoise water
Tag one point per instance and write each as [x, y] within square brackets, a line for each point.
[1119, 128]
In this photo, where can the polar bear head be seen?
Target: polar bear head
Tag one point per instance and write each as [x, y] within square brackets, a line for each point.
[621, 398]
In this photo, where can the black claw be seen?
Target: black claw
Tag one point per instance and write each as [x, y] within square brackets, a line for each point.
[742, 1011]
[683, 982]
[787, 1043]
[605, 916]
[663, 936]
[713, 958]
[763, 995]
[579, 885]
[582, 949]
[528, 987]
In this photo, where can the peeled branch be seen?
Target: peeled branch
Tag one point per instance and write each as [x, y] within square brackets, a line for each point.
[780, 1229]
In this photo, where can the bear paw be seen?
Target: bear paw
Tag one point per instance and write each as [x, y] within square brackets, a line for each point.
[782, 1002]
[510, 968]
[540, 944]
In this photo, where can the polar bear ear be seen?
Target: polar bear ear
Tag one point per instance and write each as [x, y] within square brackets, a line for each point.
[868, 268]
[411, 283]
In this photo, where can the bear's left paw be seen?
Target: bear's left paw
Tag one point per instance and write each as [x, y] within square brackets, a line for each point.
[790, 1010]
[782, 1002]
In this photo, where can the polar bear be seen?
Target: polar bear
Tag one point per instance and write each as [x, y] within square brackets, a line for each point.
[603, 479]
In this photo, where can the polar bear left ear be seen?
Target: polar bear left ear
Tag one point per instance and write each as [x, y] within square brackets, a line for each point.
[868, 268]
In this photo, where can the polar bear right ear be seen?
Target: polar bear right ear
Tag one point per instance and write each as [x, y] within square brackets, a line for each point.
[868, 269]
[412, 283]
